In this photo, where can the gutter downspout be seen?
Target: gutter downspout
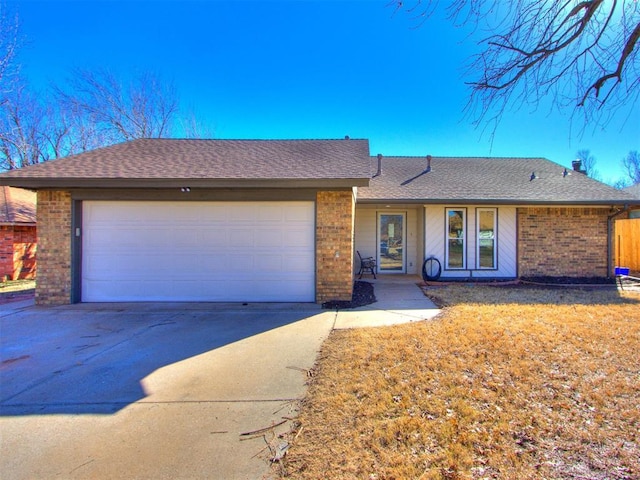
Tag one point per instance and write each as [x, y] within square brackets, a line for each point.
[610, 219]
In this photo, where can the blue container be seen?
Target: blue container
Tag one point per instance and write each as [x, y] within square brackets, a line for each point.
[622, 271]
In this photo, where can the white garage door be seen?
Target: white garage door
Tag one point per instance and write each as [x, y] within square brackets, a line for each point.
[198, 251]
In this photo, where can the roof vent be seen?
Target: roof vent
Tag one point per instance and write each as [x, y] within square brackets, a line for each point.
[379, 172]
[428, 163]
[346, 137]
[532, 177]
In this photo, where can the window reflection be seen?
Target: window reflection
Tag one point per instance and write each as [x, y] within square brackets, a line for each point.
[455, 238]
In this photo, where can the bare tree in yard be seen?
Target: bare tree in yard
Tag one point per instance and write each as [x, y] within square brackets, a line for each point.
[588, 163]
[144, 108]
[8, 50]
[631, 163]
[22, 123]
[580, 54]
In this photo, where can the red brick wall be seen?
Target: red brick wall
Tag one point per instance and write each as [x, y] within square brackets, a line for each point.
[562, 242]
[6, 252]
[335, 212]
[53, 285]
[17, 252]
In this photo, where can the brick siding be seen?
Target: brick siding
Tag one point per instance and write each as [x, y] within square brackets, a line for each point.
[6, 252]
[53, 285]
[562, 242]
[335, 212]
[17, 252]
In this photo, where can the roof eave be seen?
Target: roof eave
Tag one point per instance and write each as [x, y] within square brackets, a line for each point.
[35, 183]
[466, 201]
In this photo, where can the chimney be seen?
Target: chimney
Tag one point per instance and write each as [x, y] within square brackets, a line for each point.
[577, 165]
[379, 172]
[428, 163]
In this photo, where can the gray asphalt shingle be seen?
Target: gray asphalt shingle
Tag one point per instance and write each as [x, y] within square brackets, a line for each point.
[481, 179]
[633, 190]
[187, 159]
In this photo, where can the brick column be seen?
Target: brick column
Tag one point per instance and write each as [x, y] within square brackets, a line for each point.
[335, 213]
[562, 242]
[53, 283]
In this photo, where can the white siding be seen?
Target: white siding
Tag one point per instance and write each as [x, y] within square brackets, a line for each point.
[434, 222]
[365, 234]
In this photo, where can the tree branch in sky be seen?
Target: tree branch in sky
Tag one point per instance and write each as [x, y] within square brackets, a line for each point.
[581, 55]
[143, 108]
[8, 48]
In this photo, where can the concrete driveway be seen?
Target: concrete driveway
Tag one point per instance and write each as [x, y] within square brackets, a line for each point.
[151, 391]
[164, 391]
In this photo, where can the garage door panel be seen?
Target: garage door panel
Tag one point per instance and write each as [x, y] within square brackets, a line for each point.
[219, 291]
[269, 263]
[213, 236]
[299, 214]
[239, 238]
[198, 251]
[268, 214]
[269, 238]
[298, 238]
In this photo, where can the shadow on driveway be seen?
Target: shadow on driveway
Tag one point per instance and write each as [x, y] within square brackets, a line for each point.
[92, 358]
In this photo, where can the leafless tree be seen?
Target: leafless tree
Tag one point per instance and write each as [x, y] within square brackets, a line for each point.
[192, 126]
[143, 108]
[22, 123]
[8, 49]
[580, 54]
[588, 163]
[631, 164]
[92, 111]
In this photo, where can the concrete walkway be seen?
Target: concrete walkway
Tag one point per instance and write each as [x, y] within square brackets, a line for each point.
[399, 300]
[165, 391]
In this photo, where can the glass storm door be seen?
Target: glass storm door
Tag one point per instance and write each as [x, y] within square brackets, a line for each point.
[391, 242]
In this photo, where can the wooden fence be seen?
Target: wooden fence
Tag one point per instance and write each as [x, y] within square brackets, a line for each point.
[627, 244]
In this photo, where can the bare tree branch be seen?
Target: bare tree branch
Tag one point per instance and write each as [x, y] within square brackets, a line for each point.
[9, 27]
[579, 54]
[144, 108]
[588, 163]
[22, 121]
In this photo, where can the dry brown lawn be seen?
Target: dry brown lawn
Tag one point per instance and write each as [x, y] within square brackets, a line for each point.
[509, 383]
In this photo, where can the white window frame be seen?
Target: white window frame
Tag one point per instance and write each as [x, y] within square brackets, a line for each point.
[495, 238]
[463, 238]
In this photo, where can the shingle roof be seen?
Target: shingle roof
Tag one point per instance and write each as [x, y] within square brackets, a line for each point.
[483, 180]
[17, 206]
[633, 190]
[169, 162]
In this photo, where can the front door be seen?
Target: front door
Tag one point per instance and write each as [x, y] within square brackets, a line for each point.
[391, 242]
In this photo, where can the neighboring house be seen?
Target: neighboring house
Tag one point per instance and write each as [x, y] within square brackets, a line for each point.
[18, 234]
[280, 220]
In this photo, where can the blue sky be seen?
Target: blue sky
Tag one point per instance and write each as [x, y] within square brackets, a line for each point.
[304, 69]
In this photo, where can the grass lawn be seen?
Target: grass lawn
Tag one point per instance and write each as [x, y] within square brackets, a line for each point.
[509, 383]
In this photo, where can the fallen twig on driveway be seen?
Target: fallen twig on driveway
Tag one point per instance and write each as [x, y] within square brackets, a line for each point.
[262, 430]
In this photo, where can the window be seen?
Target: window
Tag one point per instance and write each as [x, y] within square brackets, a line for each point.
[486, 238]
[455, 249]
